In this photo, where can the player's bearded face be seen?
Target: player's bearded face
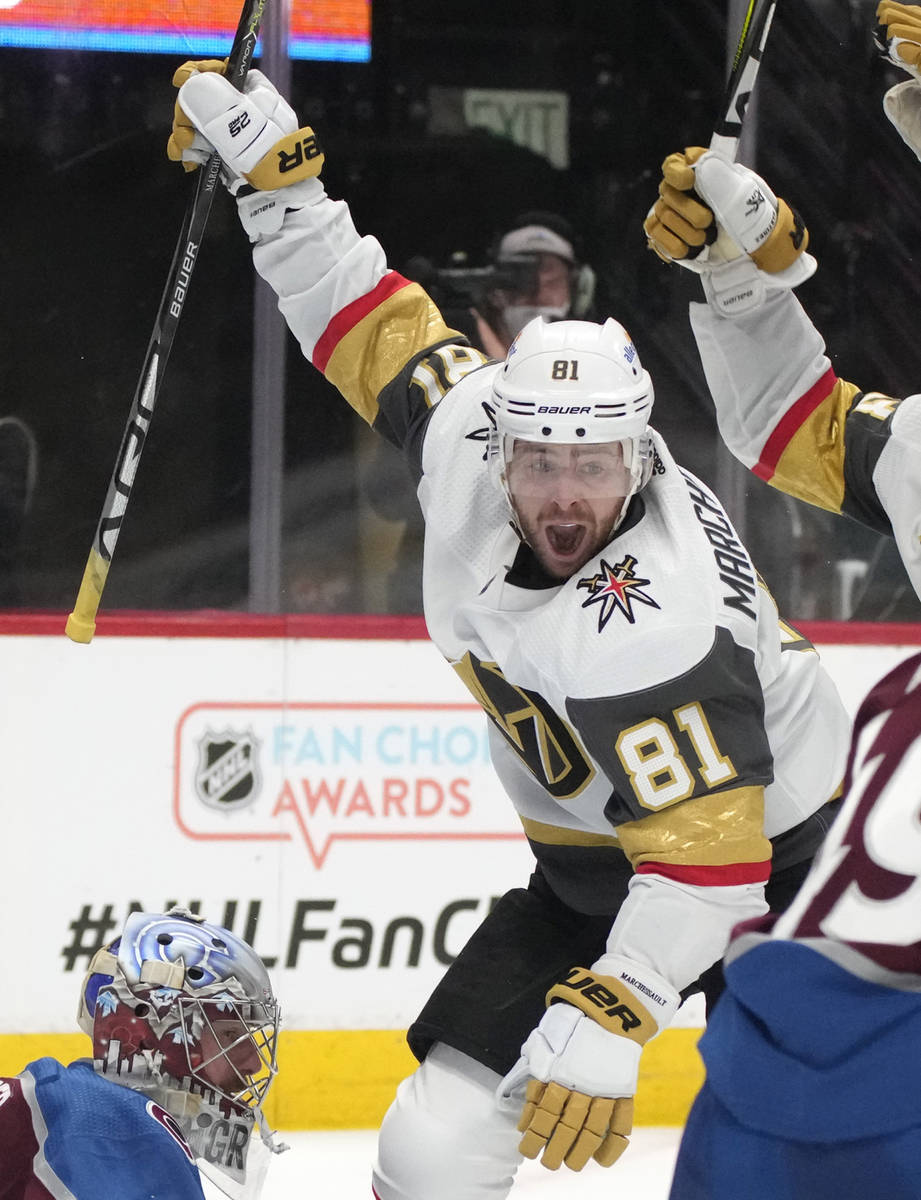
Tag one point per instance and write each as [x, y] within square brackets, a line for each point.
[567, 497]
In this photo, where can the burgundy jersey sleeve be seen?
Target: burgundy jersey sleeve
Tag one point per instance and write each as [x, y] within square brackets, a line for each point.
[864, 890]
[18, 1145]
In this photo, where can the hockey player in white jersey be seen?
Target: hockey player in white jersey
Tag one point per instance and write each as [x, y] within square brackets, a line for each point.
[812, 1085]
[785, 413]
[183, 1025]
[672, 748]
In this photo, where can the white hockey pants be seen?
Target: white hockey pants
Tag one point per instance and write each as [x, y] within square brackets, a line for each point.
[447, 1136]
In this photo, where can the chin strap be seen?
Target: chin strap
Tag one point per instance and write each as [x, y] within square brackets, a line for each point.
[622, 515]
[269, 1135]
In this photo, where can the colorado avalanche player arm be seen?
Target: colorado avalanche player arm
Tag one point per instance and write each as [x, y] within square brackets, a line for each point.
[811, 1055]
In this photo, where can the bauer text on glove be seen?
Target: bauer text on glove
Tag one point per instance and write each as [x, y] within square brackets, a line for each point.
[255, 131]
[582, 1062]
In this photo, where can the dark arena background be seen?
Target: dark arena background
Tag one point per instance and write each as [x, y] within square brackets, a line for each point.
[578, 104]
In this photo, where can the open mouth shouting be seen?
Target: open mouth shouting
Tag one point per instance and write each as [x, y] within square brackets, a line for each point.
[565, 538]
[563, 542]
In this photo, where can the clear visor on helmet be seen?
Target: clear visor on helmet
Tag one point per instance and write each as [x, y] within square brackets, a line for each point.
[568, 471]
[231, 1046]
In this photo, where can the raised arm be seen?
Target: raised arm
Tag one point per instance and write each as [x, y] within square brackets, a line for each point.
[375, 335]
[781, 407]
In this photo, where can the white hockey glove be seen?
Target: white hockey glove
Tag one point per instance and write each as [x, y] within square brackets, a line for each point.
[582, 1061]
[902, 105]
[720, 219]
[898, 36]
[255, 132]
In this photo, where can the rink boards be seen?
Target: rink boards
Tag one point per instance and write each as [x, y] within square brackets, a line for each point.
[320, 785]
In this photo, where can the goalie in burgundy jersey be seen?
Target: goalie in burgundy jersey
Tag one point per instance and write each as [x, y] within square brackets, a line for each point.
[184, 1025]
[812, 1084]
[674, 751]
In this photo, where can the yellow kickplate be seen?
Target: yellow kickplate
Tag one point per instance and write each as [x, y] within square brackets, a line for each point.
[345, 1079]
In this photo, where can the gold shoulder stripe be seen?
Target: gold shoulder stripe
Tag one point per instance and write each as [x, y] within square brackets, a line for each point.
[558, 835]
[812, 463]
[376, 349]
[718, 829]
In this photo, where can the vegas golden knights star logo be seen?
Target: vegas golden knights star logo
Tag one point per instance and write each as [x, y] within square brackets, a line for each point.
[616, 589]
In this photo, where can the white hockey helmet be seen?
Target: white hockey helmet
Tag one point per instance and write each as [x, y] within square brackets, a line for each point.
[574, 382]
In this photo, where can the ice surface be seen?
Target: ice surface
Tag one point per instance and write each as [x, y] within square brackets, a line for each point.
[337, 1166]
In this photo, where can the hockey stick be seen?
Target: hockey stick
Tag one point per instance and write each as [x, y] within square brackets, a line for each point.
[81, 624]
[746, 61]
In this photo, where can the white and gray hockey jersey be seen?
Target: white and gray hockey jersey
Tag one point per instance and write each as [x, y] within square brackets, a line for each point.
[653, 705]
[783, 411]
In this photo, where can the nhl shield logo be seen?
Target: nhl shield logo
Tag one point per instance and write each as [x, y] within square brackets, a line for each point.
[227, 775]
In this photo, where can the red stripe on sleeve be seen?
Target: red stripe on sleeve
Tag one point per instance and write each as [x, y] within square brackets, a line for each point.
[347, 318]
[774, 447]
[726, 876]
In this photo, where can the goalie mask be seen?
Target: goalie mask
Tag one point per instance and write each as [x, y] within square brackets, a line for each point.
[571, 443]
[183, 1011]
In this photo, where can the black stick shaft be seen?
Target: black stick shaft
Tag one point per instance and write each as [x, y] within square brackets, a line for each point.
[747, 59]
[81, 623]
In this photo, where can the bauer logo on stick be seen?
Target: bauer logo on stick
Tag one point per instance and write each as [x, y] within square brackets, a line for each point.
[81, 624]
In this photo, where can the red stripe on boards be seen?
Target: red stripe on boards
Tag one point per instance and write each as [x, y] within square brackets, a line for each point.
[361, 626]
[211, 624]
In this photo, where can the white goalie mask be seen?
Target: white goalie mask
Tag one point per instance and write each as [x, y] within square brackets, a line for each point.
[573, 383]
